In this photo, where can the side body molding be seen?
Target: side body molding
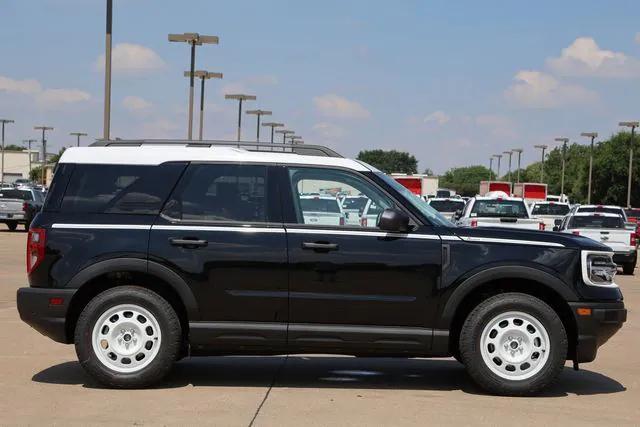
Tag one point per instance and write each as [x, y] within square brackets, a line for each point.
[501, 272]
[142, 266]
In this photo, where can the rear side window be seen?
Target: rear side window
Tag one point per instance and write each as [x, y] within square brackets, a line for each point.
[16, 194]
[120, 189]
[220, 193]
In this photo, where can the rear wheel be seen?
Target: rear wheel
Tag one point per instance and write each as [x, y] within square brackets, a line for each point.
[12, 225]
[629, 267]
[513, 344]
[128, 337]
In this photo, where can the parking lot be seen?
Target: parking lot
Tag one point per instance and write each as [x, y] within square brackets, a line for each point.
[42, 383]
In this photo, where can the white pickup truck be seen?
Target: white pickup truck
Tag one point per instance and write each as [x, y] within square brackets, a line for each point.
[447, 206]
[19, 206]
[498, 211]
[608, 229]
[549, 212]
[321, 210]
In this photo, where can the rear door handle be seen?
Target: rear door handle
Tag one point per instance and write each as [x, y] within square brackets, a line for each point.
[320, 246]
[188, 243]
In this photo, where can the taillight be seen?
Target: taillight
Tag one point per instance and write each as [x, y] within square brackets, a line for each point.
[363, 221]
[541, 226]
[341, 220]
[474, 222]
[25, 207]
[575, 233]
[35, 248]
[633, 240]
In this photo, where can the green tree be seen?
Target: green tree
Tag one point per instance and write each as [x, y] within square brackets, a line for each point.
[465, 180]
[13, 147]
[36, 173]
[428, 172]
[390, 161]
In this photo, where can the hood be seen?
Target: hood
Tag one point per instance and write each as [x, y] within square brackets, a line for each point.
[568, 240]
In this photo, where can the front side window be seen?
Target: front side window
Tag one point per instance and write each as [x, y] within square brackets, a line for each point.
[335, 198]
[220, 193]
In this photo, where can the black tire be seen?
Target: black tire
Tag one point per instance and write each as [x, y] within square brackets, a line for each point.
[12, 225]
[27, 225]
[169, 326]
[629, 267]
[480, 317]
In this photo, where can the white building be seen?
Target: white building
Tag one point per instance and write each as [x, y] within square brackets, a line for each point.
[17, 164]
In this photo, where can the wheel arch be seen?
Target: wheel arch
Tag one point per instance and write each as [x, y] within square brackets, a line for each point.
[111, 273]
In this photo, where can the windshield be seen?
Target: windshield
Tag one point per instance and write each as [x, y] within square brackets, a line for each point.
[432, 215]
[550, 209]
[596, 222]
[447, 205]
[319, 205]
[15, 194]
[601, 209]
[355, 203]
[500, 208]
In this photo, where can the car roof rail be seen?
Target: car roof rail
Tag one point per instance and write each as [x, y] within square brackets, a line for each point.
[302, 149]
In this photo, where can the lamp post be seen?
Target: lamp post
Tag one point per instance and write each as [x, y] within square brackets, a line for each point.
[29, 141]
[202, 75]
[510, 153]
[564, 152]
[542, 147]
[491, 168]
[633, 126]
[293, 138]
[593, 136]
[240, 97]
[78, 134]
[194, 39]
[284, 133]
[44, 151]
[519, 151]
[273, 125]
[258, 114]
[4, 122]
[498, 156]
[107, 73]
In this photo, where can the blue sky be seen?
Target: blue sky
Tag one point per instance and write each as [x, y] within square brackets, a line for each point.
[451, 82]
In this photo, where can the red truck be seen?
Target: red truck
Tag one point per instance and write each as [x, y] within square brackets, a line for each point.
[531, 191]
[487, 186]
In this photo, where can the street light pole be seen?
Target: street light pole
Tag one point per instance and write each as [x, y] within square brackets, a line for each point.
[542, 147]
[44, 152]
[240, 97]
[491, 168]
[4, 122]
[273, 125]
[564, 152]
[29, 141]
[202, 75]
[593, 136]
[107, 73]
[259, 113]
[510, 153]
[633, 126]
[194, 39]
[78, 134]
[284, 133]
[294, 138]
[498, 156]
[519, 151]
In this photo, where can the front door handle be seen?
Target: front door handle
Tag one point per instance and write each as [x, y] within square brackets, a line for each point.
[320, 246]
[188, 242]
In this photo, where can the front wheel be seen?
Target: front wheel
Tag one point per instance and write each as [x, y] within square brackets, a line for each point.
[128, 337]
[513, 344]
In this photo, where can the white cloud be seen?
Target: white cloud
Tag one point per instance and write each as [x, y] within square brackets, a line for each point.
[234, 87]
[498, 125]
[161, 128]
[131, 58]
[47, 98]
[535, 89]
[439, 117]
[328, 130]
[136, 104]
[585, 58]
[54, 97]
[332, 105]
[27, 86]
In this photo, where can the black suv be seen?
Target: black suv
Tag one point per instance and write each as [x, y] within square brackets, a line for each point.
[148, 252]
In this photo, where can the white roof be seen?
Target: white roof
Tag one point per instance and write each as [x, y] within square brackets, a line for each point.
[599, 206]
[157, 154]
[605, 214]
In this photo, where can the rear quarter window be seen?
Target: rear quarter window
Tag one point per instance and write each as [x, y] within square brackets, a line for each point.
[120, 189]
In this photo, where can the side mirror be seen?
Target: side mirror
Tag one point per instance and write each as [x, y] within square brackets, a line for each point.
[393, 220]
[556, 228]
[557, 222]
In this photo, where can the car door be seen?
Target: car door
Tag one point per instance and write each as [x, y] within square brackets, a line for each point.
[356, 288]
[221, 231]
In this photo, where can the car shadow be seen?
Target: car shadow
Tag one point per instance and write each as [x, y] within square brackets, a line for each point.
[332, 372]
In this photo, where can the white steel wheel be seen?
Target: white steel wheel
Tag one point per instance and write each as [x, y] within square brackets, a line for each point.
[126, 338]
[515, 345]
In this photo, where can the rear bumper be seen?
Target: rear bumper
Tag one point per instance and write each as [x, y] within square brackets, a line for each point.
[13, 217]
[596, 329]
[35, 310]
[624, 257]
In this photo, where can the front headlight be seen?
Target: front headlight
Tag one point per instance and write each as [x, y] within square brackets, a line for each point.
[598, 268]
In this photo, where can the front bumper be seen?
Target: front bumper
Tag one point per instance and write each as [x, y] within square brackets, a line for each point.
[595, 329]
[36, 309]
